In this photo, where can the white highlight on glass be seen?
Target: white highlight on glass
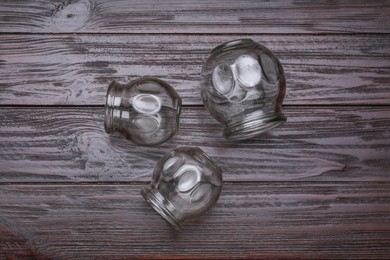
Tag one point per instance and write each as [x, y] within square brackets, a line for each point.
[223, 79]
[189, 177]
[172, 165]
[146, 123]
[201, 193]
[146, 104]
[248, 70]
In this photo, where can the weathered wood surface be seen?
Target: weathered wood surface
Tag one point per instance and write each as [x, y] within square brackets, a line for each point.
[257, 220]
[177, 16]
[316, 187]
[76, 69]
[69, 144]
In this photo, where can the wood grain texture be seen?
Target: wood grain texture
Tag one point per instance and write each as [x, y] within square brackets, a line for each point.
[70, 145]
[316, 187]
[229, 16]
[13, 246]
[257, 220]
[77, 69]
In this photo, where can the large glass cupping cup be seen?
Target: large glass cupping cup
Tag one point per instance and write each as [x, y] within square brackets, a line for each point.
[145, 111]
[243, 87]
[185, 183]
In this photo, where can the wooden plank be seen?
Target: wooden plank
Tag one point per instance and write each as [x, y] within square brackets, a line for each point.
[76, 69]
[249, 16]
[257, 220]
[70, 145]
[13, 246]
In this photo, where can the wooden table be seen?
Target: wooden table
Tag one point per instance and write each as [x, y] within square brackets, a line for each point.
[316, 187]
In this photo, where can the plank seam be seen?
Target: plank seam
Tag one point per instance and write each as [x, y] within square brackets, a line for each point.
[7, 106]
[127, 183]
[196, 34]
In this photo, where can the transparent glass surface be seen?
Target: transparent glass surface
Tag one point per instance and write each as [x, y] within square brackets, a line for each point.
[185, 183]
[243, 87]
[145, 111]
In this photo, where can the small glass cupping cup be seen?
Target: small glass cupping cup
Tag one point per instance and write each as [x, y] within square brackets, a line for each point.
[185, 183]
[243, 87]
[145, 111]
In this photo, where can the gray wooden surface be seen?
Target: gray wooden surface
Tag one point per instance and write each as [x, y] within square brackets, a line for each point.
[316, 187]
[75, 69]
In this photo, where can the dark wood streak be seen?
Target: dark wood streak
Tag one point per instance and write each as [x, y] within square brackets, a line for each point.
[230, 16]
[69, 144]
[76, 69]
[12, 245]
[257, 220]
